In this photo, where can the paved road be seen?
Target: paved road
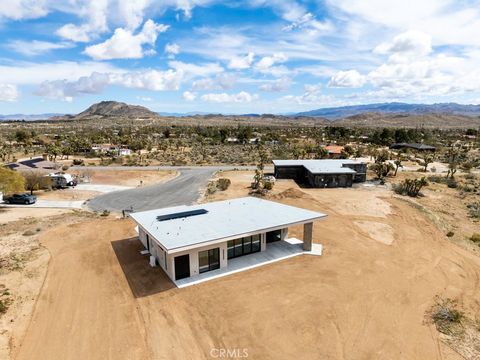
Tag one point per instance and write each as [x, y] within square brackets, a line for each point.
[184, 189]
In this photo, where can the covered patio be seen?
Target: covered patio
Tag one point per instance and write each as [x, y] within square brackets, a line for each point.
[276, 251]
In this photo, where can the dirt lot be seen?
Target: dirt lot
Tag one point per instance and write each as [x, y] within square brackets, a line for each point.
[366, 298]
[126, 177]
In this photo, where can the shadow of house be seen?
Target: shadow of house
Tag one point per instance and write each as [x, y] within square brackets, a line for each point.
[143, 279]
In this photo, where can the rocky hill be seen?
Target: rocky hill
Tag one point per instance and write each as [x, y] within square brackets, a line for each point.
[107, 109]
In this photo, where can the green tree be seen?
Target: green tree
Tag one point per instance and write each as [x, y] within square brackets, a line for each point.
[11, 181]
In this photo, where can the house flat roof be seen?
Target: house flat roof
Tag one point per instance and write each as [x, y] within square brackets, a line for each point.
[223, 220]
[323, 166]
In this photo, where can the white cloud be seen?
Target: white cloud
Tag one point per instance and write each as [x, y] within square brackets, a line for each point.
[241, 62]
[23, 9]
[95, 83]
[220, 82]
[241, 97]
[347, 79]
[27, 73]
[172, 49]
[35, 47]
[189, 96]
[125, 45]
[410, 43]
[96, 13]
[196, 70]
[8, 92]
[278, 85]
[145, 98]
[267, 62]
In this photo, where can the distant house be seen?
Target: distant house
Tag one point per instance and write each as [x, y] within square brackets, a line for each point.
[329, 173]
[110, 148]
[334, 151]
[38, 163]
[414, 146]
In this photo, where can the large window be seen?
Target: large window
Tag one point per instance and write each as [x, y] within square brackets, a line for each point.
[243, 246]
[209, 260]
[274, 236]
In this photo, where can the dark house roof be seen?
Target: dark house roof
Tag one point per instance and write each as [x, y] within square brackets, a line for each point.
[415, 146]
[34, 164]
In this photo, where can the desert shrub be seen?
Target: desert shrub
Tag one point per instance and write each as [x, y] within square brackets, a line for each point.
[268, 185]
[78, 162]
[65, 167]
[105, 213]
[29, 233]
[4, 304]
[211, 188]
[451, 183]
[446, 317]
[475, 238]
[474, 210]
[433, 169]
[410, 187]
[450, 234]
[223, 184]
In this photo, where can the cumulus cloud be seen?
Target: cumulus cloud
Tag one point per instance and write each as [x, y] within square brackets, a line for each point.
[172, 49]
[278, 85]
[241, 62]
[189, 96]
[125, 45]
[23, 9]
[347, 79]
[152, 80]
[219, 82]
[35, 47]
[415, 43]
[196, 70]
[8, 92]
[267, 62]
[241, 97]
[96, 13]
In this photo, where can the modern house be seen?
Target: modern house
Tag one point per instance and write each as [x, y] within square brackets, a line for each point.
[189, 240]
[328, 173]
[413, 146]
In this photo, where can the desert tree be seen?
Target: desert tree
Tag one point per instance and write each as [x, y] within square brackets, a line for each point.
[35, 180]
[11, 181]
[426, 159]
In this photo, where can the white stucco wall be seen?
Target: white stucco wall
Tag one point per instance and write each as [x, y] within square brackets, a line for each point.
[167, 261]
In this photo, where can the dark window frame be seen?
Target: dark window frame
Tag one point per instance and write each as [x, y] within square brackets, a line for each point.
[245, 241]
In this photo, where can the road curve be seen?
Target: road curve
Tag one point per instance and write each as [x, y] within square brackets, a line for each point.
[184, 189]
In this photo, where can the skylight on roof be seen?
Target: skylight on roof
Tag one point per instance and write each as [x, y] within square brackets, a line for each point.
[183, 214]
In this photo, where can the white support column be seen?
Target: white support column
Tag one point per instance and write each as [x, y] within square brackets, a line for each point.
[307, 236]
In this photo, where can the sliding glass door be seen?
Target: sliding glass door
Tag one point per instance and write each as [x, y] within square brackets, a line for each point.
[243, 246]
[209, 260]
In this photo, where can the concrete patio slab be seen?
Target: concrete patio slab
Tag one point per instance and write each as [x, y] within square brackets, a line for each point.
[275, 251]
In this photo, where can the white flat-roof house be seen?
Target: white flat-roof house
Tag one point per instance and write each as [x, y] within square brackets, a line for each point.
[189, 240]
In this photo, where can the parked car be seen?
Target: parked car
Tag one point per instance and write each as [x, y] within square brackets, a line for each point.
[25, 199]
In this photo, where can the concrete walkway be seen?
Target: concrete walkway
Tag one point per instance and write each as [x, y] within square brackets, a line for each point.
[54, 204]
[274, 252]
[101, 187]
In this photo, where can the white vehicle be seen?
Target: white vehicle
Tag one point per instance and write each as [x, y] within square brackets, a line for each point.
[62, 179]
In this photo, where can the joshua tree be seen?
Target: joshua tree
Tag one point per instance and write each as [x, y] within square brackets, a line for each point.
[427, 159]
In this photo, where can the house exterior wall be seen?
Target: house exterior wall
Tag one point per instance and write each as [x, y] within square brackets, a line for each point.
[330, 180]
[167, 261]
[296, 173]
[303, 176]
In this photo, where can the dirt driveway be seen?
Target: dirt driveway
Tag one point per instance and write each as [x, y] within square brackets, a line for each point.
[364, 299]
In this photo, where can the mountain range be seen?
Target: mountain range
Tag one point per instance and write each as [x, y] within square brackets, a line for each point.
[394, 108]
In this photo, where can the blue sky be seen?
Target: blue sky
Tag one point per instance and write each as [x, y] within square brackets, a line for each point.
[249, 56]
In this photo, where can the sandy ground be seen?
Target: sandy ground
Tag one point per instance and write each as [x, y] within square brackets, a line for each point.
[126, 177]
[366, 298]
[13, 214]
[66, 194]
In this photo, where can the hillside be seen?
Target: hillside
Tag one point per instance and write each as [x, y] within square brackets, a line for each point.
[395, 108]
[106, 109]
[409, 120]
